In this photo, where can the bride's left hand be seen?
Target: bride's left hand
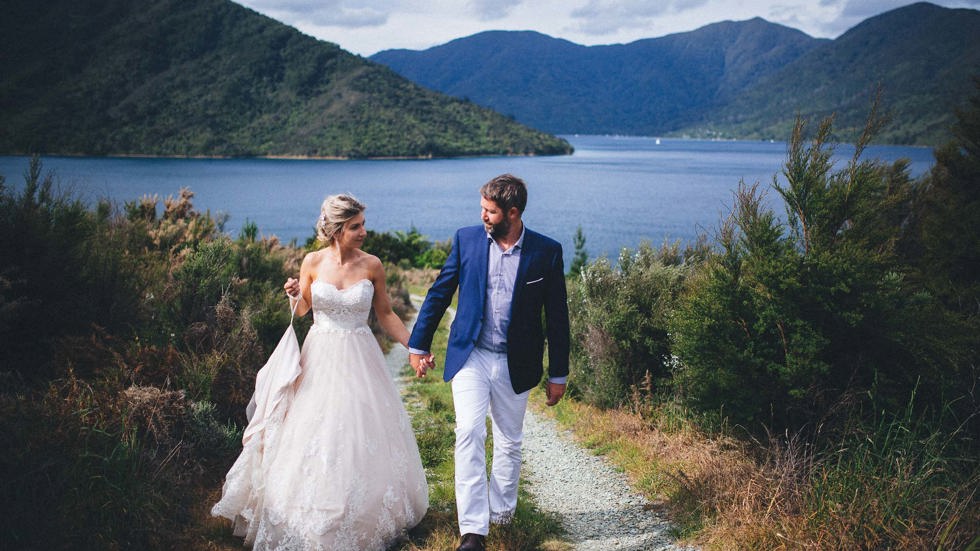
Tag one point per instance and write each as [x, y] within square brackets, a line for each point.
[421, 363]
[292, 287]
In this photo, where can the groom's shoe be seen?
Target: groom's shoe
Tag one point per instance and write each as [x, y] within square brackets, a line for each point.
[471, 542]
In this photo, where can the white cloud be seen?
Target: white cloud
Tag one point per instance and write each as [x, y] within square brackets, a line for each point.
[605, 17]
[336, 13]
[863, 9]
[490, 10]
[816, 20]
[351, 17]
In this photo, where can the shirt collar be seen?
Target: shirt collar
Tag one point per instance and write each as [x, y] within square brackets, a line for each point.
[520, 240]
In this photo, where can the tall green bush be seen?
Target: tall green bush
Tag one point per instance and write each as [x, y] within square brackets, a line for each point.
[580, 258]
[60, 276]
[407, 249]
[943, 246]
[619, 323]
[131, 339]
[788, 318]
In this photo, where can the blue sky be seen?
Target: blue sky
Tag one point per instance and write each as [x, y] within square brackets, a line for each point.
[368, 26]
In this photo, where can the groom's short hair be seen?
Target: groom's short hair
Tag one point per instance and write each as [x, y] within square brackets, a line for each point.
[507, 191]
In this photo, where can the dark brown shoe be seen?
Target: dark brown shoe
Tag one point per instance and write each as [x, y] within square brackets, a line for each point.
[471, 542]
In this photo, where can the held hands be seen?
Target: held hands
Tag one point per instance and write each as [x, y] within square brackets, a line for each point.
[421, 363]
[554, 392]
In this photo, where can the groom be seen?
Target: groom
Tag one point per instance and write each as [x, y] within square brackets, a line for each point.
[507, 275]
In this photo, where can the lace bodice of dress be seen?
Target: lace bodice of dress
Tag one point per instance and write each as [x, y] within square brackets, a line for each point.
[344, 309]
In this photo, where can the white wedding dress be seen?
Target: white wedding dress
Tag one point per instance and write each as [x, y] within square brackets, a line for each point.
[338, 467]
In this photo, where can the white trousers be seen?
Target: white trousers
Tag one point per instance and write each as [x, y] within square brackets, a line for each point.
[482, 385]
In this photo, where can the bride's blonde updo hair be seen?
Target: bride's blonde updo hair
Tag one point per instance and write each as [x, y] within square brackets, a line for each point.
[335, 211]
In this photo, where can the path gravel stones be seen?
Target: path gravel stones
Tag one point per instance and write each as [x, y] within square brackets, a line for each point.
[594, 501]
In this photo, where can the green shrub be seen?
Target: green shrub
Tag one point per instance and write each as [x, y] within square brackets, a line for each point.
[131, 344]
[411, 248]
[86, 473]
[580, 258]
[619, 323]
[200, 280]
[63, 274]
[789, 318]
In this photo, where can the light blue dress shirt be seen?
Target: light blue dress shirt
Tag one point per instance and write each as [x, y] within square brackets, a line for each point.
[501, 275]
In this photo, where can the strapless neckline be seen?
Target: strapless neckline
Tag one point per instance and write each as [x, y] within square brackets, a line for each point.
[336, 309]
[351, 286]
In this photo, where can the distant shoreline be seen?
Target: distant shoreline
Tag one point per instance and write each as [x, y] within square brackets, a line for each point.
[287, 157]
[282, 157]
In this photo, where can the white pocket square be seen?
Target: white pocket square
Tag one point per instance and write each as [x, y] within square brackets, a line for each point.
[540, 279]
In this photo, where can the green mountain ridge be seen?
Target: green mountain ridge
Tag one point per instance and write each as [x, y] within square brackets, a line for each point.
[733, 79]
[922, 57]
[212, 78]
[643, 87]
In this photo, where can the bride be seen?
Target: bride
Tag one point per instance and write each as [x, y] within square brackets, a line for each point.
[340, 469]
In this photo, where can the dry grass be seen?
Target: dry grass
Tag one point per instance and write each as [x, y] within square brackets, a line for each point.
[682, 469]
[154, 411]
[727, 493]
[714, 490]
[418, 280]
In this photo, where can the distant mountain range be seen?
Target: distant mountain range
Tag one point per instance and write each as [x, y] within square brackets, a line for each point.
[212, 78]
[746, 79]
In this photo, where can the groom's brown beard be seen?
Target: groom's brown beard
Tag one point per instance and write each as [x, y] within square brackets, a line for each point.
[498, 230]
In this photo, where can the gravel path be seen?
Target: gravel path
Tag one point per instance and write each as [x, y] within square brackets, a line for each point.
[594, 501]
[596, 506]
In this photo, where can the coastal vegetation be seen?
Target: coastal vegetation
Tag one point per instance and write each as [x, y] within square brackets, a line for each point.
[808, 379]
[213, 78]
[805, 379]
[132, 335]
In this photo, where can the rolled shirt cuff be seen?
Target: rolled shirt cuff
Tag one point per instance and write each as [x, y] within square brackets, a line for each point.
[554, 380]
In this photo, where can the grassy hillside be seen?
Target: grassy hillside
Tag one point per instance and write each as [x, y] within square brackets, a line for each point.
[214, 78]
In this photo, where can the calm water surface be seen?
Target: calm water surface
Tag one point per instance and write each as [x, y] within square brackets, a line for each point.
[622, 191]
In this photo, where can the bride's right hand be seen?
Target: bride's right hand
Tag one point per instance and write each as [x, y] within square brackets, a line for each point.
[292, 287]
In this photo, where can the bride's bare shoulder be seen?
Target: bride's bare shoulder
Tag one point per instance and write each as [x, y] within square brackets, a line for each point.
[370, 262]
[312, 259]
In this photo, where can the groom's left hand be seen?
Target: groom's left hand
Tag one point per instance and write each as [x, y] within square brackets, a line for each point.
[554, 392]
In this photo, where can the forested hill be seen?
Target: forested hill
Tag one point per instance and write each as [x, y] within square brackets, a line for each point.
[212, 78]
[923, 56]
[745, 79]
[644, 87]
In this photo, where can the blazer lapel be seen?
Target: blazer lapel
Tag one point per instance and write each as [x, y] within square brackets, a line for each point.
[482, 251]
[527, 253]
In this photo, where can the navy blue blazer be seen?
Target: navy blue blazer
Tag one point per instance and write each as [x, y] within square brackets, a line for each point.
[539, 287]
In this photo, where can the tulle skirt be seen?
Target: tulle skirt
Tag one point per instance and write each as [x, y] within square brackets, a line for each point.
[341, 470]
